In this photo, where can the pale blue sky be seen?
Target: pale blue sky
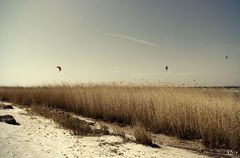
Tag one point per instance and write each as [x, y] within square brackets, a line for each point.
[119, 40]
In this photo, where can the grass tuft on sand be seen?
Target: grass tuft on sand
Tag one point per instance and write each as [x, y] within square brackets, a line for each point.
[142, 136]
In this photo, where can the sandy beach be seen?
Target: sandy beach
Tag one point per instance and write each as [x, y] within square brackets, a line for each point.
[39, 137]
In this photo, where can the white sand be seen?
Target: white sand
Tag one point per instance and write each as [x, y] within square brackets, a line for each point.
[40, 137]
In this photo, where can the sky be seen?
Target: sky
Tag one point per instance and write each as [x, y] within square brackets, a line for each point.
[120, 40]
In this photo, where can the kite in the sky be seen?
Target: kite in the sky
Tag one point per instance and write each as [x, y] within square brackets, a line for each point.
[166, 68]
[59, 68]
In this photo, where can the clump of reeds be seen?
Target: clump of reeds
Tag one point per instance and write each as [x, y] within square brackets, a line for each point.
[189, 113]
[142, 136]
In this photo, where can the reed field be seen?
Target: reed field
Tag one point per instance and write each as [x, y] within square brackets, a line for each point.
[210, 115]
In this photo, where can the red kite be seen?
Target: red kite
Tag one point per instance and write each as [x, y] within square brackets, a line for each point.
[59, 68]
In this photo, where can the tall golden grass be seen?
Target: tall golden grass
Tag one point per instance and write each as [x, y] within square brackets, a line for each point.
[207, 114]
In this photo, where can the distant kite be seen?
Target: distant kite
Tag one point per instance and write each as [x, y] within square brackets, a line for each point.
[226, 57]
[59, 68]
[166, 68]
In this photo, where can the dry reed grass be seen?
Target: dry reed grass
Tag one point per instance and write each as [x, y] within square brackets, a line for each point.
[212, 115]
[142, 136]
[78, 127]
[67, 121]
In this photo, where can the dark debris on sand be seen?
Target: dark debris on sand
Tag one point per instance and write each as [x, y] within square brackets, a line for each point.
[9, 119]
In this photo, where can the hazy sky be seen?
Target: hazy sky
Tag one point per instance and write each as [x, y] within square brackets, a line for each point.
[119, 40]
